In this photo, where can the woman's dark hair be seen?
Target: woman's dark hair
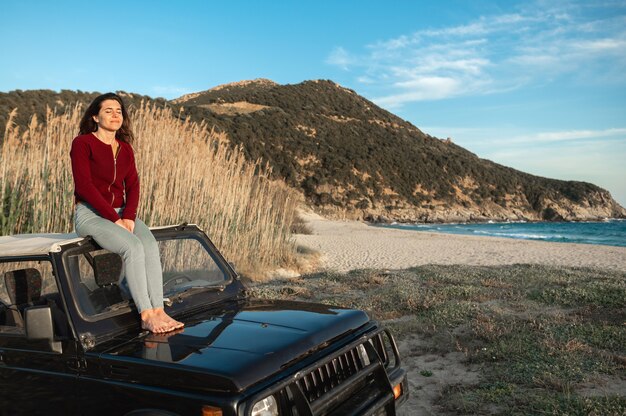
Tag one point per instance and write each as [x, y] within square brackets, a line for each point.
[88, 125]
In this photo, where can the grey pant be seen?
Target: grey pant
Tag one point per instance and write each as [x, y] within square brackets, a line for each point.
[140, 251]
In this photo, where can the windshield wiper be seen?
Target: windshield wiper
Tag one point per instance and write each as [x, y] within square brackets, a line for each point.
[180, 295]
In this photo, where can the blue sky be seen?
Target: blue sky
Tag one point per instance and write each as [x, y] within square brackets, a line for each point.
[536, 85]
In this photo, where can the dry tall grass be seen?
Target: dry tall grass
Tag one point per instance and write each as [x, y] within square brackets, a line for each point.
[187, 172]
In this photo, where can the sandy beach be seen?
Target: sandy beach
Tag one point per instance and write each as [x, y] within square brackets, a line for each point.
[349, 245]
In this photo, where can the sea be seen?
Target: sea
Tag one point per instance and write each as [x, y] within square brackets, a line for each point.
[609, 232]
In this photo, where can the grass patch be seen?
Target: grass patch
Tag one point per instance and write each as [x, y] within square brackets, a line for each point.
[583, 293]
[507, 399]
[538, 335]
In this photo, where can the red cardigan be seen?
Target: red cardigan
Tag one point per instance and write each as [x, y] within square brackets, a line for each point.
[102, 181]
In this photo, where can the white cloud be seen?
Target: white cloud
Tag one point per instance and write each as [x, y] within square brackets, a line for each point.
[472, 29]
[365, 80]
[422, 88]
[536, 44]
[571, 138]
[537, 59]
[568, 135]
[340, 57]
[170, 91]
[484, 138]
[600, 46]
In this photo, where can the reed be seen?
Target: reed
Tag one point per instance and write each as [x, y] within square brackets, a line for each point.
[188, 173]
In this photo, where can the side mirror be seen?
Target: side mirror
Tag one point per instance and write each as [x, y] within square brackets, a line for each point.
[39, 326]
[232, 265]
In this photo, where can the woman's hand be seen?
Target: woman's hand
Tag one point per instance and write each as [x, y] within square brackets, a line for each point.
[123, 223]
[130, 225]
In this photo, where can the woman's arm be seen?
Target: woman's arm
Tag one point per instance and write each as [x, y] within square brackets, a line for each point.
[131, 187]
[85, 189]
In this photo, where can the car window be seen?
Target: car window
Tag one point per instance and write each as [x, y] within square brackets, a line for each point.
[24, 284]
[94, 294]
[100, 283]
[186, 263]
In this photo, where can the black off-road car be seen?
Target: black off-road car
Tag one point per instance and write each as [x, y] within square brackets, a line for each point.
[71, 341]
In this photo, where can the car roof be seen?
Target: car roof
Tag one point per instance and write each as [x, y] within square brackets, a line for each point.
[34, 244]
[43, 243]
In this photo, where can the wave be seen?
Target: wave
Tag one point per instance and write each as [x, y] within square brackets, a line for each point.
[612, 233]
[524, 235]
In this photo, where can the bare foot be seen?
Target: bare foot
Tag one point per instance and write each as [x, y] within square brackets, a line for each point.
[176, 324]
[152, 321]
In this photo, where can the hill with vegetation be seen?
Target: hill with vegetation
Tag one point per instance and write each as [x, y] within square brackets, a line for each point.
[348, 156]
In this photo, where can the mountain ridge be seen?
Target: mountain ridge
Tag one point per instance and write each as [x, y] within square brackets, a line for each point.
[352, 158]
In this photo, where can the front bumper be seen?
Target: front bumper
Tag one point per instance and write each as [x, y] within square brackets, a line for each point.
[356, 380]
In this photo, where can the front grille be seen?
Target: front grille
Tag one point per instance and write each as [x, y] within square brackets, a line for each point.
[352, 381]
[331, 374]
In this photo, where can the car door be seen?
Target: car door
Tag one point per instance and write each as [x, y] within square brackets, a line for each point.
[34, 379]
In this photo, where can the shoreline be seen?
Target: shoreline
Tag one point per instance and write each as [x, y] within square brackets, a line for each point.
[490, 221]
[610, 232]
[346, 245]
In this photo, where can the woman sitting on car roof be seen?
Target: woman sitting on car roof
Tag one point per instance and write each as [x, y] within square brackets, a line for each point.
[106, 189]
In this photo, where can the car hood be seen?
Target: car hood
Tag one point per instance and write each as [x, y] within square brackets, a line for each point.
[233, 348]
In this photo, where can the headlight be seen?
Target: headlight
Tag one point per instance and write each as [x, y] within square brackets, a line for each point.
[265, 407]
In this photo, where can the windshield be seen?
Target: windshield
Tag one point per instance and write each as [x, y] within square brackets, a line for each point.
[100, 284]
[186, 263]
